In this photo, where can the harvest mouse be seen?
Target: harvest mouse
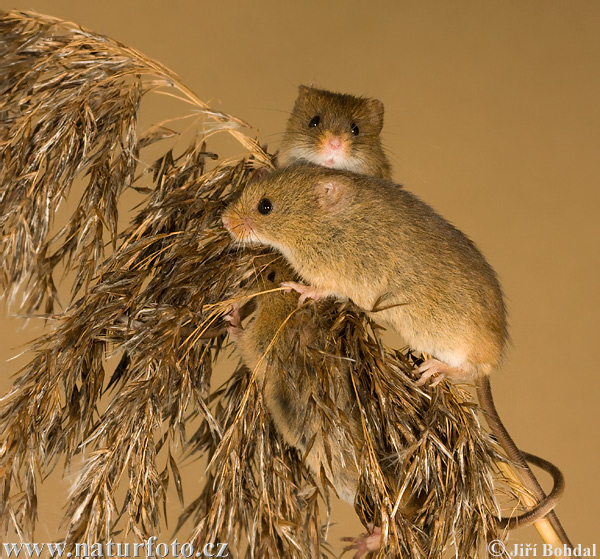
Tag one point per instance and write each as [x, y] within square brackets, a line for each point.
[361, 238]
[369, 240]
[276, 343]
[335, 130]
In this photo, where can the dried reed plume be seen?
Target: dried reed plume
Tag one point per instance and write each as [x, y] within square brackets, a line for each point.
[69, 101]
[68, 110]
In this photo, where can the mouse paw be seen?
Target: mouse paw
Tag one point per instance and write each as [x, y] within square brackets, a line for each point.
[234, 319]
[431, 369]
[365, 543]
[306, 291]
[438, 371]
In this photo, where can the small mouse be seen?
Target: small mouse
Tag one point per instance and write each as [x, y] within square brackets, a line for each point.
[363, 238]
[357, 237]
[278, 340]
[335, 130]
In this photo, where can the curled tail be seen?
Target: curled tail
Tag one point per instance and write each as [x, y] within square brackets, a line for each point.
[546, 503]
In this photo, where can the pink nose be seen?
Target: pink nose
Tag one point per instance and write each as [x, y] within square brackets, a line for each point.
[334, 142]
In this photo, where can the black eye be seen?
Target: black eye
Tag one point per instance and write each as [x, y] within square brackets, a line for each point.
[265, 207]
[314, 121]
[354, 129]
[271, 276]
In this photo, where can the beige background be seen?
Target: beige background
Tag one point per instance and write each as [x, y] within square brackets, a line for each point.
[492, 116]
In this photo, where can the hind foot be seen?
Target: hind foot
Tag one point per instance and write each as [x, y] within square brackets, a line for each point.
[438, 371]
[365, 543]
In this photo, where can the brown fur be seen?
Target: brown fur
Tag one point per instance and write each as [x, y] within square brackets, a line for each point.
[338, 112]
[369, 240]
[291, 388]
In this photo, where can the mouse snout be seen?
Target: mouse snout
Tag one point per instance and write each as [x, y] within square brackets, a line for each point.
[240, 227]
[234, 223]
[227, 222]
[334, 143]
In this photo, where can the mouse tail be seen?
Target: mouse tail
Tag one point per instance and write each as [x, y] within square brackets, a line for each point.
[546, 503]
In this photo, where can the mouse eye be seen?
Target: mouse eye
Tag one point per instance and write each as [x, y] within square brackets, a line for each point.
[354, 129]
[314, 121]
[264, 206]
[271, 276]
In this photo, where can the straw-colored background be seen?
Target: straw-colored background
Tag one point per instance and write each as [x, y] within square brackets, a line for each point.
[492, 116]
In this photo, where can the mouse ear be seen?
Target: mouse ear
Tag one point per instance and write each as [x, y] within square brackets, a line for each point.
[303, 90]
[332, 193]
[376, 110]
[305, 94]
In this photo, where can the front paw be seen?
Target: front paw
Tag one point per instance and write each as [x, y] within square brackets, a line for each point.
[235, 321]
[306, 291]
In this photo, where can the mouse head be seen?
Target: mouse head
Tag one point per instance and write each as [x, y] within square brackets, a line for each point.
[271, 272]
[290, 209]
[277, 323]
[336, 130]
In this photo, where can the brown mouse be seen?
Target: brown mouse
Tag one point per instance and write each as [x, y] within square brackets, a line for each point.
[369, 240]
[277, 342]
[361, 238]
[335, 130]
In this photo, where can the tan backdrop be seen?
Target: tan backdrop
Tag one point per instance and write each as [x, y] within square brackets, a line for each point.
[492, 116]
